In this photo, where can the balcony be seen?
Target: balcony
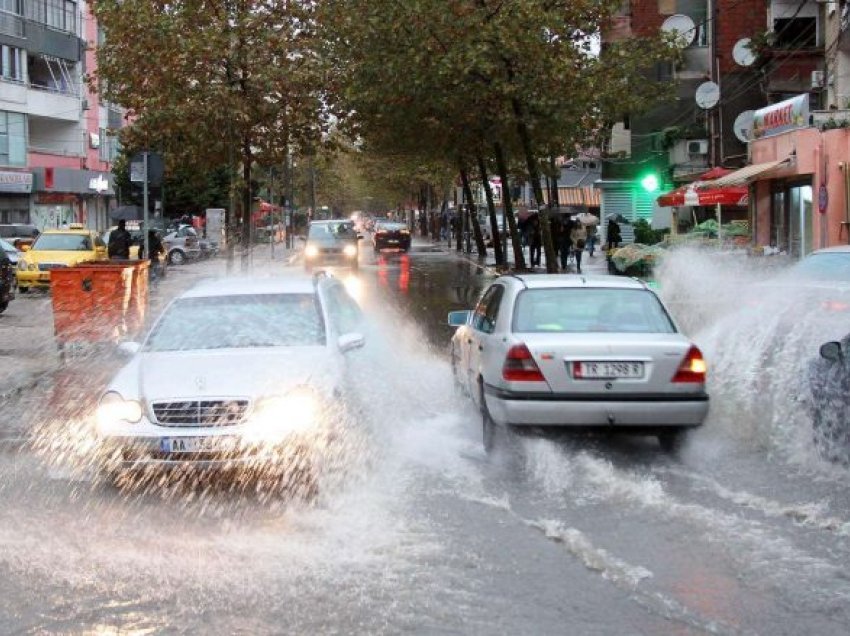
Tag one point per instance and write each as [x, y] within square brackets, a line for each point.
[12, 24]
[53, 104]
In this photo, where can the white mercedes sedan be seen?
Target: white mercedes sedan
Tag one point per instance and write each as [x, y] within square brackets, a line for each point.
[578, 351]
[239, 373]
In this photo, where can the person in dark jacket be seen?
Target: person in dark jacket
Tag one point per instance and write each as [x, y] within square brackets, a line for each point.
[119, 242]
[614, 236]
[535, 240]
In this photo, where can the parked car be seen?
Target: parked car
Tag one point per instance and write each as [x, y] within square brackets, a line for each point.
[13, 253]
[829, 400]
[182, 244]
[7, 281]
[578, 351]
[332, 242]
[395, 236]
[19, 234]
[237, 374]
[57, 248]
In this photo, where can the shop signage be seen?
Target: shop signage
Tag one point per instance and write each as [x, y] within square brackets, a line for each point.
[98, 184]
[778, 118]
[16, 182]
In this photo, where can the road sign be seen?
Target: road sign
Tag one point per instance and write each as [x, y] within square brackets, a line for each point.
[156, 168]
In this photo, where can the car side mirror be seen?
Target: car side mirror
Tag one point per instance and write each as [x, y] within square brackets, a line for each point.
[831, 351]
[458, 318]
[129, 348]
[351, 341]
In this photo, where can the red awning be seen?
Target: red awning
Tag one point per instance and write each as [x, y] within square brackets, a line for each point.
[703, 192]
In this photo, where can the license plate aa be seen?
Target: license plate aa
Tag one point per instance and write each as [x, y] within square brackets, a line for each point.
[607, 370]
[195, 444]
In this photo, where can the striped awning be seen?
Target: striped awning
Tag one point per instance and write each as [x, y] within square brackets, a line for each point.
[587, 196]
[746, 174]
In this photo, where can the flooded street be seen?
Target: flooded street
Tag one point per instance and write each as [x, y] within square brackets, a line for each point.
[416, 530]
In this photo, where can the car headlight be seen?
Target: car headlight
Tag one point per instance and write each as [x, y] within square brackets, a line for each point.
[277, 417]
[311, 251]
[350, 250]
[113, 409]
[22, 266]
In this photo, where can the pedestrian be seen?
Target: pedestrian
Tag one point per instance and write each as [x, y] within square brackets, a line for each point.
[119, 242]
[592, 236]
[578, 237]
[157, 249]
[535, 241]
[614, 236]
[565, 243]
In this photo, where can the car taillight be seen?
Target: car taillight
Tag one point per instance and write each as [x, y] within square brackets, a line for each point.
[835, 305]
[380, 233]
[693, 367]
[520, 366]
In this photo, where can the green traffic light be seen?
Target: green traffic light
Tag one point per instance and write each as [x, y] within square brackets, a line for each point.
[649, 183]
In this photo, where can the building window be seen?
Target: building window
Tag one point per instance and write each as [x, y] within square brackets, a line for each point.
[795, 33]
[13, 139]
[12, 63]
[12, 6]
[58, 14]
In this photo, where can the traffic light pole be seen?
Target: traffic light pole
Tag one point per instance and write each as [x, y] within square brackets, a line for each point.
[145, 213]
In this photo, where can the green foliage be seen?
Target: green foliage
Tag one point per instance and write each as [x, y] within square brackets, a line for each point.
[646, 235]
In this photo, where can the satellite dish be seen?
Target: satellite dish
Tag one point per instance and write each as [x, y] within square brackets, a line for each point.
[681, 27]
[742, 53]
[708, 94]
[743, 126]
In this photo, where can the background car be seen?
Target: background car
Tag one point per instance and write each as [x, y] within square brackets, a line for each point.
[332, 242]
[58, 248]
[182, 244]
[235, 373]
[829, 400]
[13, 253]
[19, 234]
[7, 281]
[578, 351]
[395, 236]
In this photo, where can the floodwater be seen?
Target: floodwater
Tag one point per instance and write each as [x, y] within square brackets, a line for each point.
[421, 532]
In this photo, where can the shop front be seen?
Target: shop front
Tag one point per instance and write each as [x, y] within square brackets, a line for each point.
[64, 195]
[15, 188]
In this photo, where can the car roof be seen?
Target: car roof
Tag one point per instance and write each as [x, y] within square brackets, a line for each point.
[832, 250]
[244, 286]
[550, 281]
[74, 231]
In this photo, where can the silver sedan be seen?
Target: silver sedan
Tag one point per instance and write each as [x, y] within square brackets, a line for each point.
[578, 351]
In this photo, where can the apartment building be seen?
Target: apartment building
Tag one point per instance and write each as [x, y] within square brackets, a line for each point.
[55, 152]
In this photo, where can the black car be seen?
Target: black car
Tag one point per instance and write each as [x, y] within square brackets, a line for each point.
[829, 400]
[393, 236]
[331, 243]
[7, 281]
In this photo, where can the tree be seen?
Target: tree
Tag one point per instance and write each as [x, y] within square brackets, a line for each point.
[208, 81]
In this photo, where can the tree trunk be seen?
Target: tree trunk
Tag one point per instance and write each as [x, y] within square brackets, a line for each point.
[501, 165]
[247, 222]
[491, 208]
[534, 177]
[554, 200]
[473, 216]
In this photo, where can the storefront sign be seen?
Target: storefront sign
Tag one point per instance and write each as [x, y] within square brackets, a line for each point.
[98, 184]
[16, 182]
[778, 118]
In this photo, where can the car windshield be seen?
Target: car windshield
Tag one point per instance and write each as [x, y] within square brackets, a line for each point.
[7, 247]
[63, 243]
[239, 321]
[827, 266]
[330, 232]
[570, 310]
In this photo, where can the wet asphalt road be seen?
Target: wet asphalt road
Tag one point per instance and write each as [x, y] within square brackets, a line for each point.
[421, 532]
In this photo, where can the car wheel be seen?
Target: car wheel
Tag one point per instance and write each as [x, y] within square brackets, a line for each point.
[672, 441]
[23, 289]
[176, 257]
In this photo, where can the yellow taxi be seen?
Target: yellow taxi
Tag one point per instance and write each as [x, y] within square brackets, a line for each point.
[57, 248]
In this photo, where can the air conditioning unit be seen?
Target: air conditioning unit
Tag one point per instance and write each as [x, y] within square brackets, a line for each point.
[698, 147]
[818, 79]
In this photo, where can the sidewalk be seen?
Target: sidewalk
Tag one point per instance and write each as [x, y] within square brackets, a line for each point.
[591, 266]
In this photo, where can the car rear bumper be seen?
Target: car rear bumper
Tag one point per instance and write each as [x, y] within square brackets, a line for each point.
[33, 279]
[687, 410]
[397, 244]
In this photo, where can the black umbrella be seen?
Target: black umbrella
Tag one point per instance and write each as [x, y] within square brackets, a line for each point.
[127, 213]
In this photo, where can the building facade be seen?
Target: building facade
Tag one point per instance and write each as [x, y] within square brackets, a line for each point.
[55, 150]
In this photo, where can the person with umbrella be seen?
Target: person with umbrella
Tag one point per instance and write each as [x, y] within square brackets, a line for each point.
[119, 242]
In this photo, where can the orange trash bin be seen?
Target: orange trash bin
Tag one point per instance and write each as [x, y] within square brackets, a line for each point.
[99, 301]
